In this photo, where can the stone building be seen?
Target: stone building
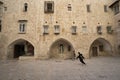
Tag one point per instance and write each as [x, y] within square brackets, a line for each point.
[46, 29]
[115, 6]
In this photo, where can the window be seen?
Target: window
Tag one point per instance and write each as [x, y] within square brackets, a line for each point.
[0, 25]
[109, 30]
[116, 8]
[25, 7]
[105, 8]
[5, 8]
[74, 29]
[99, 29]
[57, 29]
[49, 7]
[22, 26]
[84, 29]
[45, 29]
[88, 8]
[1, 7]
[61, 48]
[69, 7]
[101, 48]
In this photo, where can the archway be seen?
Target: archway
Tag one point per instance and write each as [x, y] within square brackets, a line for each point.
[100, 47]
[61, 49]
[19, 48]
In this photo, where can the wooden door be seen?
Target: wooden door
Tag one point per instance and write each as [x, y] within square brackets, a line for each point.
[94, 51]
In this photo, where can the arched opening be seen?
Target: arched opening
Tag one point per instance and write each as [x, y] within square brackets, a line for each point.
[61, 49]
[25, 7]
[20, 48]
[100, 47]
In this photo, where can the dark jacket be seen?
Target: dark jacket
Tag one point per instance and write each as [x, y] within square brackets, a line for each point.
[80, 56]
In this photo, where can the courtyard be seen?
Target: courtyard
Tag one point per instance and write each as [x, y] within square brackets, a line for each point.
[97, 68]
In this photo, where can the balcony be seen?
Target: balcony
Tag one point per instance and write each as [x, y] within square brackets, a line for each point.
[109, 29]
[99, 30]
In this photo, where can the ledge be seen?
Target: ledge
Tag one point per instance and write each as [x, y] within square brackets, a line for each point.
[26, 58]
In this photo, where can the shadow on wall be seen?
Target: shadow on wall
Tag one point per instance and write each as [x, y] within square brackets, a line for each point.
[61, 49]
[19, 48]
[100, 47]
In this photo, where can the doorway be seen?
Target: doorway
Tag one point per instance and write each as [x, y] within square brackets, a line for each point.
[19, 50]
[94, 51]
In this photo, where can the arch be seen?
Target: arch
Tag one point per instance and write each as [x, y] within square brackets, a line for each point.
[20, 47]
[100, 47]
[61, 49]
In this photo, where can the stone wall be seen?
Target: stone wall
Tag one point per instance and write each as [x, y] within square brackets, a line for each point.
[36, 18]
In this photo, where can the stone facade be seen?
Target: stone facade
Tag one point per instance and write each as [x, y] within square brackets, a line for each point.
[117, 26]
[90, 37]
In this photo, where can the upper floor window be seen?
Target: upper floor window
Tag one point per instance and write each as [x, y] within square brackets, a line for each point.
[0, 25]
[1, 7]
[69, 7]
[45, 29]
[109, 29]
[116, 8]
[99, 29]
[57, 29]
[84, 29]
[88, 8]
[25, 7]
[22, 26]
[5, 8]
[49, 7]
[74, 29]
[105, 8]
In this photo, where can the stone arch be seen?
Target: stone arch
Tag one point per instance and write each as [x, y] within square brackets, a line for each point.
[100, 47]
[20, 47]
[61, 49]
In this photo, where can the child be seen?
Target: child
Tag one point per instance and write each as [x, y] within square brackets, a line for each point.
[80, 56]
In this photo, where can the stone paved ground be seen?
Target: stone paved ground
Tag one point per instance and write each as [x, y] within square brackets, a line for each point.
[99, 68]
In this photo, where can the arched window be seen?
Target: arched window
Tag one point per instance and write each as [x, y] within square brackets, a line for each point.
[61, 48]
[25, 7]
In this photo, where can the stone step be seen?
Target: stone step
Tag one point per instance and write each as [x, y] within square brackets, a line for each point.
[26, 58]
